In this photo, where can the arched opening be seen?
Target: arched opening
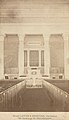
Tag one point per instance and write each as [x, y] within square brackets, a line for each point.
[34, 58]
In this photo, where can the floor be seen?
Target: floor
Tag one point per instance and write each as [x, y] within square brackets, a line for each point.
[32, 100]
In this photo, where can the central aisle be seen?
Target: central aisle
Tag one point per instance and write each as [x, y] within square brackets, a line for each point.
[34, 100]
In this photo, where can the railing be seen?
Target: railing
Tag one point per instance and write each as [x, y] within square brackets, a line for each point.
[60, 97]
[7, 96]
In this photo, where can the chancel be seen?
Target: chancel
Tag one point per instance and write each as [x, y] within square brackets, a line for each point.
[34, 53]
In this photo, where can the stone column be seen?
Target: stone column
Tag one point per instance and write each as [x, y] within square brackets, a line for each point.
[39, 58]
[28, 58]
[46, 55]
[21, 54]
[66, 56]
[2, 56]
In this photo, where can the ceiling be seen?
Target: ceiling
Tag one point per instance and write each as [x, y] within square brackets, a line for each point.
[34, 11]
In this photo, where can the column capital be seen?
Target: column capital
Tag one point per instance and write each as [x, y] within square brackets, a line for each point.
[65, 36]
[2, 36]
[21, 37]
[46, 35]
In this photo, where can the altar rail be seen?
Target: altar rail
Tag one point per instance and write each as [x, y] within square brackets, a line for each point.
[59, 97]
[7, 96]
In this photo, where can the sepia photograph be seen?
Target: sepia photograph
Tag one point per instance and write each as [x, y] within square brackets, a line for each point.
[34, 57]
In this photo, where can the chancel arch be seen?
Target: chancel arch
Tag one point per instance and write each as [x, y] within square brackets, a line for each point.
[34, 53]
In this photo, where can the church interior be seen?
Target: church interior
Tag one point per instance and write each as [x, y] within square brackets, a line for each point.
[34, 55]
